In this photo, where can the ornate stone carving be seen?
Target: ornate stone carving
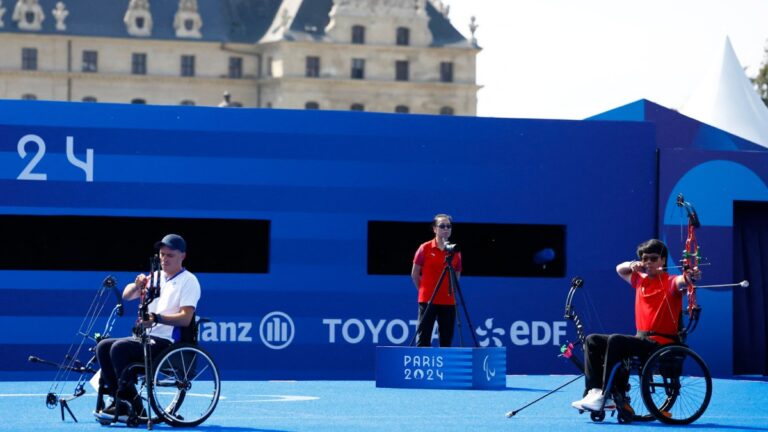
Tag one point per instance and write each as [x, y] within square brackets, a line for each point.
[28, 15]
[403, 8]
[60, 14]
[138, 19]
[187, 20]
[473, 25]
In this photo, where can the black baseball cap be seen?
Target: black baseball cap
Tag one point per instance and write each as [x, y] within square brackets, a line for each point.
[173, 241]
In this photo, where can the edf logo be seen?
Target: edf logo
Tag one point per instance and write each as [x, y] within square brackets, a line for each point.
[276, 330]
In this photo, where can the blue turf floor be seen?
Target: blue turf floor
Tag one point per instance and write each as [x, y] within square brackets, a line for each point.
[737, 405]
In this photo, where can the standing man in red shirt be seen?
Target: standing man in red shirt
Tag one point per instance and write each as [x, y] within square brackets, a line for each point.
[428, 264]
[658, 311]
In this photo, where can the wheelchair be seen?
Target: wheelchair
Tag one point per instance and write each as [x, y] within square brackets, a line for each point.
[673, 385]
[182, 387]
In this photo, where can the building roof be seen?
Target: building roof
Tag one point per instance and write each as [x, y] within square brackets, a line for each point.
[223, 20]
[240, 21]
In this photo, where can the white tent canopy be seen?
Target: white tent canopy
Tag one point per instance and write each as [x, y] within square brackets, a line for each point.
[725, 98]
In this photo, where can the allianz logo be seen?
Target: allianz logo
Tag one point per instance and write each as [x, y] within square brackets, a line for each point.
[276, 331]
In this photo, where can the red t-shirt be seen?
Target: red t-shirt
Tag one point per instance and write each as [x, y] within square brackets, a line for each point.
[658, 305]
[432, 261]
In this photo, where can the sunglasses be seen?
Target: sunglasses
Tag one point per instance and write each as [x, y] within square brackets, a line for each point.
[444, 226]
[650, 258]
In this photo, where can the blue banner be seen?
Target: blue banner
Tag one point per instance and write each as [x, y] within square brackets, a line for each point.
[319, 178]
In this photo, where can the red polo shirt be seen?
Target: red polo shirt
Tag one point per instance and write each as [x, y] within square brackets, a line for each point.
[432, 261]
[658, 305]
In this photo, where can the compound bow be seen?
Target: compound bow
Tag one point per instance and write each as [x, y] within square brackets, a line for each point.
[72, 362]
[567, 349]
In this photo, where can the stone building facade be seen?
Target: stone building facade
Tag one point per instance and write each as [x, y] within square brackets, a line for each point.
[372, 55]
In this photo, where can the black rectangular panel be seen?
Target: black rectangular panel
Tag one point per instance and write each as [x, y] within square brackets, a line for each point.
[488, 249]
[126, 243]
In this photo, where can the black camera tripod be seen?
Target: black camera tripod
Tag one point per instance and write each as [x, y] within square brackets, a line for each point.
[454, 289]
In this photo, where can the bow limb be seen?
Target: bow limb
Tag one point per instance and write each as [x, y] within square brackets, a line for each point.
[690, 263]
[570, 312]
[571, 315]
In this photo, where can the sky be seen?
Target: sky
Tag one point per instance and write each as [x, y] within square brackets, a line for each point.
[571, 59]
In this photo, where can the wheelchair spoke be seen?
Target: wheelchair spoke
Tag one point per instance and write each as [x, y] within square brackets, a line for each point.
[199, 373]
[184, 367]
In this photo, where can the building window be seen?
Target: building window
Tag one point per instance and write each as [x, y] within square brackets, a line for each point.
[358, 68]
[446, 71]
[446, 110]
[28, 96]
[313, 67]
[139, 64]
[187, 65]
[235, 67]
[139, 101]
[358, 34]
[403, 36]
[187, 102]
[29, 58]
[357, 107]
[401, 70]
[89, 99]
[402, 109]
[269, 66]
[90, 61]
[311, 105]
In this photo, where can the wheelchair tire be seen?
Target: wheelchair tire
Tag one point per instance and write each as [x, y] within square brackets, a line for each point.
[186, 386]
[676, 385]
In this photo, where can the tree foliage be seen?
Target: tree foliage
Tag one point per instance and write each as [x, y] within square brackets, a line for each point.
[760, 82]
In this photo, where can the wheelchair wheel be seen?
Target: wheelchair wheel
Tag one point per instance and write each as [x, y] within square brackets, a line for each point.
[185, 386]
[676, 385]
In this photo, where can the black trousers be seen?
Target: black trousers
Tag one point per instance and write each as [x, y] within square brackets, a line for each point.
[445, 315]
[116, 354]
[602, 352]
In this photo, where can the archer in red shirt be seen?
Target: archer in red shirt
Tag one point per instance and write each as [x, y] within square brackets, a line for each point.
[658, 312]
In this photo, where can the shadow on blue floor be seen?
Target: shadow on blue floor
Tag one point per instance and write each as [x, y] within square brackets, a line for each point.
[360, 406]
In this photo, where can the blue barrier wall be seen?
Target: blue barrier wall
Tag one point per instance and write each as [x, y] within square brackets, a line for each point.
[319, 177]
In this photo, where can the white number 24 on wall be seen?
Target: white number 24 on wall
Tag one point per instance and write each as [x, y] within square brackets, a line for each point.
[28, 174]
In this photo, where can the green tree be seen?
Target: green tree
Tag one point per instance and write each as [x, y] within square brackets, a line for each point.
[760, 82]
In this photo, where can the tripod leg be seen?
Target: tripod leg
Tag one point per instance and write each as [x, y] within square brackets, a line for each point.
[429, 306]
[460, 296]
[65, 405]
[457, 317]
